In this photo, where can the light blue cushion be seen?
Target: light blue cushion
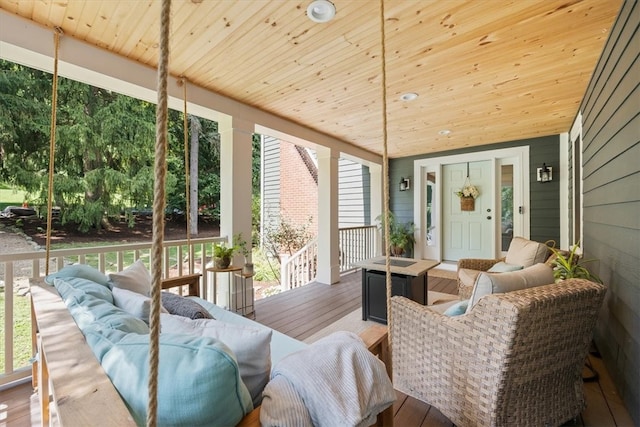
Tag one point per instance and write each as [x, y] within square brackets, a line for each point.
[101, 339]
[79, 270]
[198, 380]
[504, 267]
[457, 309]
[87, 286]
[87, 309]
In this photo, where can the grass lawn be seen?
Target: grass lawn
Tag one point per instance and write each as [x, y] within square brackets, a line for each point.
[10, 197]
[128, 258]
[21, 332]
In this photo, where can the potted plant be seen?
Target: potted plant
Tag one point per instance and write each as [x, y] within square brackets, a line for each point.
[222, 255]
[245, 250]
[567, 265]
[401, 235]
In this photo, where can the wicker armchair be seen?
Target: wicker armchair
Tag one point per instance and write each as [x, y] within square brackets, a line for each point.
[522, 251]
[515, 359]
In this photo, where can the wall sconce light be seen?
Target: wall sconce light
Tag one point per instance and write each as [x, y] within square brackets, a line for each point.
[405, 184]
[545, 173]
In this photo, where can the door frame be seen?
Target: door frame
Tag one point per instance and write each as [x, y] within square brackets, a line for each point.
[521, 222]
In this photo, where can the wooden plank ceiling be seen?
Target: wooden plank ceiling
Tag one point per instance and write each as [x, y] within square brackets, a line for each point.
[488, 71]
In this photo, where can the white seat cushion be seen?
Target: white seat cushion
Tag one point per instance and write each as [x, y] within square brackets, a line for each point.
[494, 283]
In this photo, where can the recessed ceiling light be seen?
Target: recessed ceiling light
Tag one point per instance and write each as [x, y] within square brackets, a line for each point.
[321, 11]
[409, 96]
[444, 132]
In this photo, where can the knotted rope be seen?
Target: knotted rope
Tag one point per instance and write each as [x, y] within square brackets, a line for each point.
[160, 167]
[385, 169]
[52, 144]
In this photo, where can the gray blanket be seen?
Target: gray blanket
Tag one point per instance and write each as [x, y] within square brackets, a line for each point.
[335, 381]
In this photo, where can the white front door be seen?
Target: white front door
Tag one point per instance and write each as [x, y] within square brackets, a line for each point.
[468, 233]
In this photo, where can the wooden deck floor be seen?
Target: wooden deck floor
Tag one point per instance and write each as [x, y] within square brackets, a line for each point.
[303, 312]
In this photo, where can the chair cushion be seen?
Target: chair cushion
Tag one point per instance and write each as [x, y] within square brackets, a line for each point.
[503, 267]
[468, 276]
[526, 252]
[494, 283]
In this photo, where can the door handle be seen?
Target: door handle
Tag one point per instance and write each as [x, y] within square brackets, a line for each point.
[488, 217]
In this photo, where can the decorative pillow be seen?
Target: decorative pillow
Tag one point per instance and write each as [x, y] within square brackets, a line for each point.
[181, 306]
[526, 252]
[86, 310]
[198, 378]
[504, 267]
[491, 283]
[457, 309]
[135, 278]
[251, 346]
[133, 303]
[79, 270]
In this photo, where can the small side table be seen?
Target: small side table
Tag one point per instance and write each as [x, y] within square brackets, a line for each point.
[245, 309]
[215, 271]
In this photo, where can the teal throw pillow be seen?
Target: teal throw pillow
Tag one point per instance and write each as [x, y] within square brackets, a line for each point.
[199, 381]
[457, 309]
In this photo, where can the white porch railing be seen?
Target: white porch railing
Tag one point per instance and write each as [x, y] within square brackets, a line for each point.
[356, 244]
[300, 268]
[26, 266]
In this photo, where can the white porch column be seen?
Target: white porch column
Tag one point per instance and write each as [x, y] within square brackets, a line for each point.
[328, 238]
[235, 178]
[375, 172]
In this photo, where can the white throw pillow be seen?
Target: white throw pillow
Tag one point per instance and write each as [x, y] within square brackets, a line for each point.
[526, 252]
[251, 346]
[134, 278]
[503, 267]
[495, 283]
[133, 303]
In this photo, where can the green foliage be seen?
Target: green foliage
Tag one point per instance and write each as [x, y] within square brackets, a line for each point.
[265, 269]
[221, 250]
[241, 246]
[104, 149]
[287, 237]
[401, 235]
[256, 204]
[568, 265]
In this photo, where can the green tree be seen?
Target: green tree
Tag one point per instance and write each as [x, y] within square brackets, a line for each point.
[104, 149]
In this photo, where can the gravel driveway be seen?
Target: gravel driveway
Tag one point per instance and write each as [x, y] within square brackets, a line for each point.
[10, 243]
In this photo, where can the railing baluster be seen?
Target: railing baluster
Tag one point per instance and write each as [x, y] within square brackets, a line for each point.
[8, 318]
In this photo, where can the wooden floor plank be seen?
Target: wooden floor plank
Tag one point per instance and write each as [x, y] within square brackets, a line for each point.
[303, 311]
[610, 395]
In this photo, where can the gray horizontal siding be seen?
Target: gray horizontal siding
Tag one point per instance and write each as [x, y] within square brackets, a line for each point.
[544, 198]
[611, 162]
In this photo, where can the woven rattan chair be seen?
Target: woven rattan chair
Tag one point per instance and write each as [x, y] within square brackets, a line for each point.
[514, 360]
[521, 251]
